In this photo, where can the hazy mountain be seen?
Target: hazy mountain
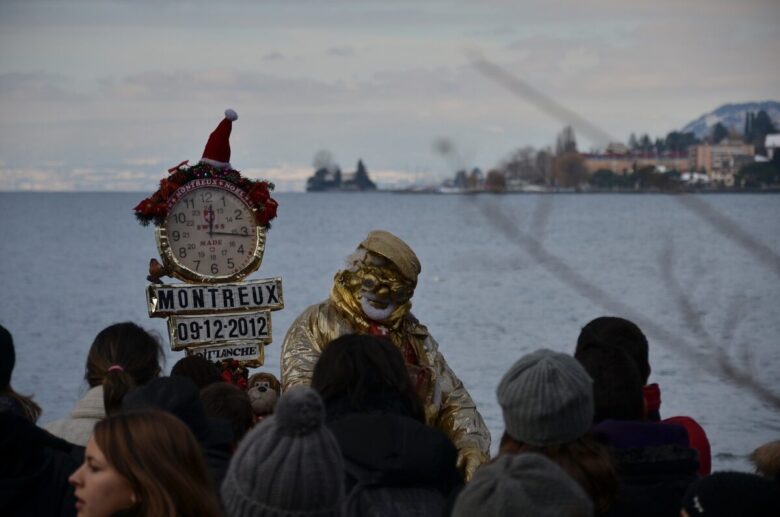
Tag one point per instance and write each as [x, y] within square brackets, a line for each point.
[732, 116]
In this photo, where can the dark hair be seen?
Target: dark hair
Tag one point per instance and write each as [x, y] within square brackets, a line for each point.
[229, 402]
[24, 405]
[134, 354]
[621, 333]
[585, 460]
[369, 373]
[162, 461]
[7, 357]
[732, 493]
[617, 384]
[202, 371]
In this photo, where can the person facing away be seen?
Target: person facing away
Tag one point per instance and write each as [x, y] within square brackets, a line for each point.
[121, 357]
[395, 464]
[10, 400]
[766, 460]
[197, 368]
[626, 335]
[654, 461]
[32, 461]
[287, 465]
[522, 485]
[727, 494]
[546, 400]
[372, 295]
[180, 397]
[229, 402]
[143, 463]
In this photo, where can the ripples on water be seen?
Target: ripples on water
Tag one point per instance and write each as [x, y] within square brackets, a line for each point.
[75, 263]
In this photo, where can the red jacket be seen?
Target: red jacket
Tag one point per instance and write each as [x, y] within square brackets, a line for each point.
[697, 438]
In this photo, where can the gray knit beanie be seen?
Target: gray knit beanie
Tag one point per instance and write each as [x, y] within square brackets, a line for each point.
[522, 484]
[289, 465]
[546, 398]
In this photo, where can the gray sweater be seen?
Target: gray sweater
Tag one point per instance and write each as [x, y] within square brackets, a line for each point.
[77, 427]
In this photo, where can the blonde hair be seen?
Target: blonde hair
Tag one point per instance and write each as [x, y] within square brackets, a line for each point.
[767, 460]
[162, 461]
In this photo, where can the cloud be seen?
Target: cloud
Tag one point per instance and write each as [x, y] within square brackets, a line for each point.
[143, 161]
[210, 83]
[68, 179]
[341, 51]
[495, 130]
[273, 56]
[32, 86]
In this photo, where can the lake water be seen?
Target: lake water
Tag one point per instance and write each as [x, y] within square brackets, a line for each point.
[501, 276]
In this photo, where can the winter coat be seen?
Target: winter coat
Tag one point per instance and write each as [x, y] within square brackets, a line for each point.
[34, 470]
[77, 427]
[395, 465]
[448, 405]
[655, 466]
[697, 438]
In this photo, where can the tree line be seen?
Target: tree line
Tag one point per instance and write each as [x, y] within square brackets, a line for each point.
[564, 166]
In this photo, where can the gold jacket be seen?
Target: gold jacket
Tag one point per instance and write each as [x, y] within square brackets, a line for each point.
[448, 406]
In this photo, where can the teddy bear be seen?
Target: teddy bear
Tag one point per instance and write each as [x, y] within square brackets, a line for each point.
[264, 390]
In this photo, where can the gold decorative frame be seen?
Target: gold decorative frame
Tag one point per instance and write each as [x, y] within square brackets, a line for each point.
[186, 274]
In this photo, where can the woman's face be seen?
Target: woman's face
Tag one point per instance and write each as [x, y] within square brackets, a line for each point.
[100, 488]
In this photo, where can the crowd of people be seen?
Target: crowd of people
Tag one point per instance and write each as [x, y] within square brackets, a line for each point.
[371, 422]
[583, 436]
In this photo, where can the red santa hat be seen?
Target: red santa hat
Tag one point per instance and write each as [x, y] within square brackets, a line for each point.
[217, 151]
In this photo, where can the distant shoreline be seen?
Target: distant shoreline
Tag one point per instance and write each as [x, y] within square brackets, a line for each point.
[434, 192]
[590, 191]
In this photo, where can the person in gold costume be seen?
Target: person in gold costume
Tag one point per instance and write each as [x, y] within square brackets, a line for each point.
[373, 296]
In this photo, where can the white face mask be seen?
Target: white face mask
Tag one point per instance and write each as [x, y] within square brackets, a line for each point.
[372, 311]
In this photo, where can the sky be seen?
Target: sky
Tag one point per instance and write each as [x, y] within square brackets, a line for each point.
[107, 95]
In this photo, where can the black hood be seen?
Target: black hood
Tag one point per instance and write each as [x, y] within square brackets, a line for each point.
[397, 450]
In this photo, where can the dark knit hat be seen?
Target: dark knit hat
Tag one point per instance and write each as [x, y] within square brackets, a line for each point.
[289, 465]
[546, 398]
[522, 484]
[7, 357]
[180, 397]
[733, 493]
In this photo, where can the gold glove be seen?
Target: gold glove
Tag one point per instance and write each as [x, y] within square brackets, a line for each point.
[468, 461]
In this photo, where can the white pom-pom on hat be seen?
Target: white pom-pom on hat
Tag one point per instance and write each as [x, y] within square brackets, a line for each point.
[231, 114]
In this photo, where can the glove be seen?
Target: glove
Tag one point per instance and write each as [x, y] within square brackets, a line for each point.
[468, 461]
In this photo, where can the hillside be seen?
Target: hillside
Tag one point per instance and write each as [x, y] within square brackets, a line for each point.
[732, 116]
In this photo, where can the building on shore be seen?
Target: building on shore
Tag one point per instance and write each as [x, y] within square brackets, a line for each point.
[772, 144]
[720, 162]
[627, 162]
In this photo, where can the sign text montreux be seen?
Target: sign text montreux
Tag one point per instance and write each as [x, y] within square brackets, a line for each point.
[166, 300]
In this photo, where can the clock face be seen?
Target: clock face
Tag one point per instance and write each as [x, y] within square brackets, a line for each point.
[210, 233]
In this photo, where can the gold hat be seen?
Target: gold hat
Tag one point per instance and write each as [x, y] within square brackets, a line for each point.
[395, 250]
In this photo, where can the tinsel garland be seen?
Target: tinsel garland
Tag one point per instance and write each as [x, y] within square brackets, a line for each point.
[231, 371]
[154, 209]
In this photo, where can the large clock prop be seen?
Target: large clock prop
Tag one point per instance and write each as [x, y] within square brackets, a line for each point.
[211, 225]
